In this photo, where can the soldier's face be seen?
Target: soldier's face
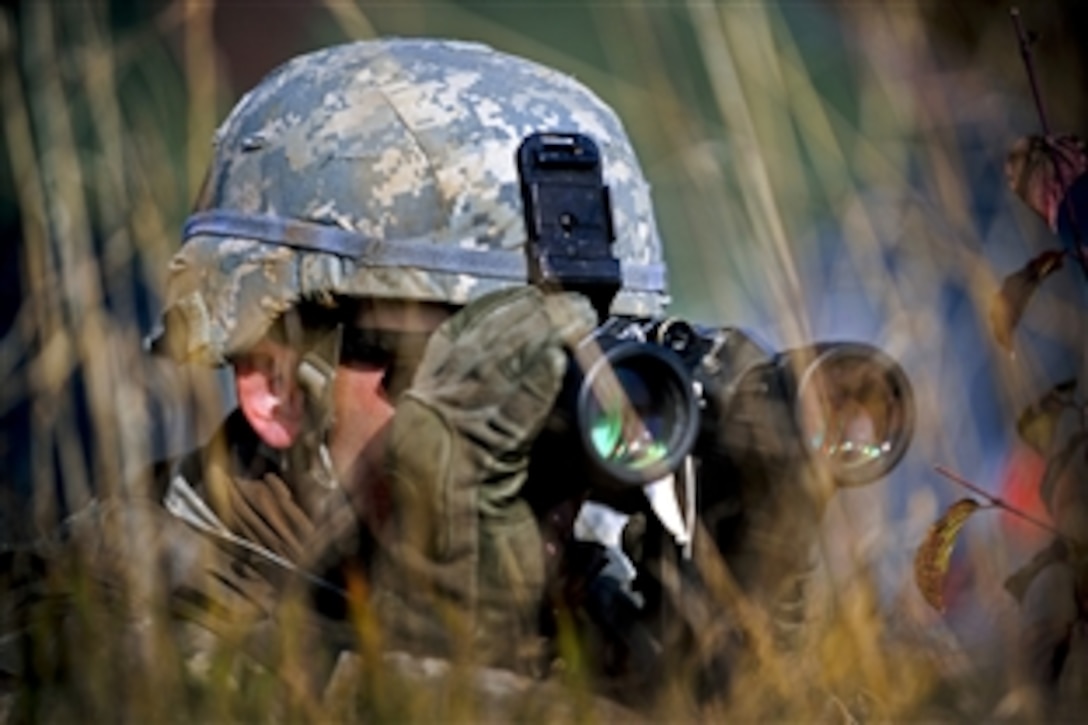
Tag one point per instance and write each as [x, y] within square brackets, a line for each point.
[266, 382]
[362, 403]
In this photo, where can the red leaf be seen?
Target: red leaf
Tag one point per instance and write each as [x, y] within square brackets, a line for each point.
[1021, 479]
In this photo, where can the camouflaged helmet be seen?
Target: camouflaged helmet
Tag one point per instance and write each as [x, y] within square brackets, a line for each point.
[386, 169]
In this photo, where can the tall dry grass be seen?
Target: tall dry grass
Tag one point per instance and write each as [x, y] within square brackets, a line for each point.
[820, 171]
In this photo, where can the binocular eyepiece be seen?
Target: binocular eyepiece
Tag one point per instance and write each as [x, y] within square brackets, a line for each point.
[645, 394]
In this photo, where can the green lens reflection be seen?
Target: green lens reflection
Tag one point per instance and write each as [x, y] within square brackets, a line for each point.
[616, 442]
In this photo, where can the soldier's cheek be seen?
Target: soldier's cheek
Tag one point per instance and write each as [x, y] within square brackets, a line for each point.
[361, 410]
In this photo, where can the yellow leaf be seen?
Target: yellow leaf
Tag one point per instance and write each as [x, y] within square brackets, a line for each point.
[1008, 305]
[1038, 422]
[931, 560]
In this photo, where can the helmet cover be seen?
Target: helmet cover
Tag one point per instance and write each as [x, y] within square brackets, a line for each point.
[398, 157]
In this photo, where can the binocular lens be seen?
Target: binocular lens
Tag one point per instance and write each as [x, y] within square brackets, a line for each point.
[850, 438]
[637, 413]
[626, 432]
[856, 412]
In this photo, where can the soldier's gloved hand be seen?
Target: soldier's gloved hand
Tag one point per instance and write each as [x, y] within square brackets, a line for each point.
[458, 458]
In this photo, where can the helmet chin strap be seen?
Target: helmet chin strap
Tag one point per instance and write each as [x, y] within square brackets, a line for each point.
[316, 375]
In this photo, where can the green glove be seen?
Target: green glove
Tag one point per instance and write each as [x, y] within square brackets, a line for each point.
[467, 553]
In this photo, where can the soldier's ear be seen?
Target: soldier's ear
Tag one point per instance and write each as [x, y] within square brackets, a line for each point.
[266, 384]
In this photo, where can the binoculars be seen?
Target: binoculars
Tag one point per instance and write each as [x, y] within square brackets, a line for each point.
[643, 394]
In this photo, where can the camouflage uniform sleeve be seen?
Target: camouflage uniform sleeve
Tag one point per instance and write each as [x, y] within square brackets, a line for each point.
[468, 551]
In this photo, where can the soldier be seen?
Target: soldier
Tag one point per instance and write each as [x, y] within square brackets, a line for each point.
[357, 256]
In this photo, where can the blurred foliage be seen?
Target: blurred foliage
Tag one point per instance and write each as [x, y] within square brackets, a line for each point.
[820, 168]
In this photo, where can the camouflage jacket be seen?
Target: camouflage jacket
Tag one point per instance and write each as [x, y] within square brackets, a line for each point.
[274, 516]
